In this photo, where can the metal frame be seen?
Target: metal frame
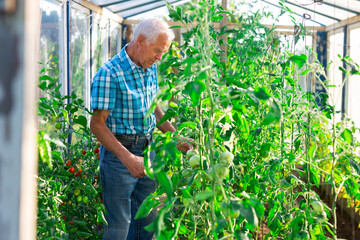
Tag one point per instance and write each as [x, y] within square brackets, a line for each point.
[313, 11]
[321, 24]
[342, 8]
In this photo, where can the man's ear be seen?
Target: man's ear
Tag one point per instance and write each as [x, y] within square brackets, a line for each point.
[141, 40]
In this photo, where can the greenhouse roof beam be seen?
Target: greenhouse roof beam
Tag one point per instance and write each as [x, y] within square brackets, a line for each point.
[102, 11]
[216, 25]
[336, 5]
[313, 11]
[343, 23]
[135, 6]
[113, 3]
[321, 24]
[145, 8]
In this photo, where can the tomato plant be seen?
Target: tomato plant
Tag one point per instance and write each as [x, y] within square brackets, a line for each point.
[69, 202]
[263, 143]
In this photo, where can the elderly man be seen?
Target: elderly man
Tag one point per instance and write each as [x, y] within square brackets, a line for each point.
[121, 94]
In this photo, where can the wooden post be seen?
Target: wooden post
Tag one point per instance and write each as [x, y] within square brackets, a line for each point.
[222, 24]
[19, 38]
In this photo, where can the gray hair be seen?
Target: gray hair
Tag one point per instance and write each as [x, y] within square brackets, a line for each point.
[151, 29]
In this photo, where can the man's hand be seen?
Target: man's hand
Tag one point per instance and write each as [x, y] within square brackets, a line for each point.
[98, 127]
[135, 165]
[184, 145]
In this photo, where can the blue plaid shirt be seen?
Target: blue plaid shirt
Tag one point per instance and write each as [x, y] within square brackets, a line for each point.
[127, 92]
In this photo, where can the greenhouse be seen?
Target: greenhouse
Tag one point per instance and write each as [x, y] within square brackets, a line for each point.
[180, 119]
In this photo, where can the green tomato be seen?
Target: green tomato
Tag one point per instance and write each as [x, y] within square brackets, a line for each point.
[85, 199]
[194, 161]
[79, 198]
[58, 125]
[76, 192]
[221, 171]
[321, 217]
[226, 157]
[191, 153]
[317, 205]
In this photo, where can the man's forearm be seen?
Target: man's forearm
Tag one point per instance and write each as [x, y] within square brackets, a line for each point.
[166, 126]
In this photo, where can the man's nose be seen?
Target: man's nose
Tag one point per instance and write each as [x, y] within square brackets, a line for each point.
[158, 56]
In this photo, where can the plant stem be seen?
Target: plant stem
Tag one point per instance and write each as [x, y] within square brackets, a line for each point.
[333, 183]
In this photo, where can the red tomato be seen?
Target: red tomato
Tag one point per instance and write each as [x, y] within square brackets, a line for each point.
[64, 217]
[84, 152]
[77, 174]
[80, 170]
[71, 223]
[68, 163]
[72, 170]
[96, 150]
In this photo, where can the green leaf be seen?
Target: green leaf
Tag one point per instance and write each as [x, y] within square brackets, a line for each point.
[166, 184]
[306, 71]
[254, 101]
[169, 114]
[183, 229]
[191, 125]
[173, 105]
[84, 234]
[81, 120]
[248, 212]
[45, 151]
[176, 26]
[300, 60]
[46, 77]
[194, 90]
[355, 165]
[274, 115]
[204, 195]
[147, 165]
[347, 135]
[262, 93]
[80, 222]
[149, 204]
[342, 69]
[100, 218]
[311, 151]
[297, 144]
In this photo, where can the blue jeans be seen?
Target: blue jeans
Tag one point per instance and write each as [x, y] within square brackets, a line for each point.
[123, 194]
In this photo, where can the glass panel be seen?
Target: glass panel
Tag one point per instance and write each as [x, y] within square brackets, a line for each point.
[99, 42]
[353, 109]
[49, 36]
[336, 47]
[115, 38]
[78, 49]
[50, 54]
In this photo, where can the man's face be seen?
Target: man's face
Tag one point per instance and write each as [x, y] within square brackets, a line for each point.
[149, 53]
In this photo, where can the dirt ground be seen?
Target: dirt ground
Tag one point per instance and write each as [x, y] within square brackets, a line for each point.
[347, 227]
